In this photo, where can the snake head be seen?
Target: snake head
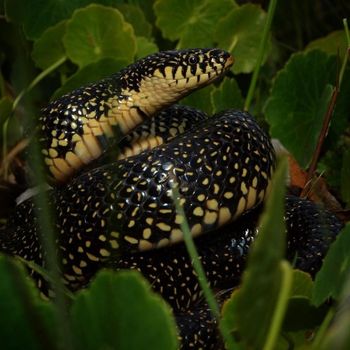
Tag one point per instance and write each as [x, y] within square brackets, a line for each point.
[160, 79]
[191, 69]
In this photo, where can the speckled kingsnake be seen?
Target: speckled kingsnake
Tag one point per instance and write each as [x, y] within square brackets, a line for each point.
[77, 128]
[116, 214]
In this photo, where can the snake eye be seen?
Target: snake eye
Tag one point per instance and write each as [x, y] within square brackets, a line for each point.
[193, 59]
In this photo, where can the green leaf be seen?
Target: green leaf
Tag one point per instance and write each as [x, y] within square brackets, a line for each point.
[301, 314]
[330, 279]
[26, 321]
[200, 99]
[147, 8]
[97, 32]
[240, 32]
[299, 96]
[119, 311]
[135, 16]
[36, 16]
[91, 73]
[49, 48]
[262, 298]
[227, 95]
[229, 312]
[345, 176]
[145, 47]
[302, 284]
[191, 22]
[301, 340]
[332, 43]
[337, 336]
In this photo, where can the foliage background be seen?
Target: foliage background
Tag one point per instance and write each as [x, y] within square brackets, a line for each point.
[51, 47]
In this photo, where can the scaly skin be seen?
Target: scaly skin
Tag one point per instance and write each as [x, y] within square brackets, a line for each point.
[80, 126]
[169, 270]
[168, 123]
[223, 169]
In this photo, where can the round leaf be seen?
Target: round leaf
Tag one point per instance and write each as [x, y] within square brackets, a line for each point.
[334, 273]
[298, 102]
[48, 49]
[302, 315]
[332, 44]
[302, 284]
[190, 22]
[36, 16]
[240, 32]
[97, 32]
[26, 321]
[145, 47]
[135, 16]
[119, 311]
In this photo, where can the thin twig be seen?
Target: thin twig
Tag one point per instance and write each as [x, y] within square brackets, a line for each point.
[37, 80]
[320, 141]
[327, 119]
[20, 146]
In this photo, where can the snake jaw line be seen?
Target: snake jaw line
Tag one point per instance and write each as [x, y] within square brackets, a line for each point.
[120, 103]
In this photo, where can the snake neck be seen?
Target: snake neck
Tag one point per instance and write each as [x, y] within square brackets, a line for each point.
[82, 125]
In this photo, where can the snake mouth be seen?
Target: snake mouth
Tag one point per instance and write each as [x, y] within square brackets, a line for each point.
[229, 63]
[204, 79]
[216, 73]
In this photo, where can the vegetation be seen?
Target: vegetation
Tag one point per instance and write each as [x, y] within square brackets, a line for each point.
[291, 72]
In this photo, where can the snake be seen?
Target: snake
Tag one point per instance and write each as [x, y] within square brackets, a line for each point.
[122, 214]
[80, 126]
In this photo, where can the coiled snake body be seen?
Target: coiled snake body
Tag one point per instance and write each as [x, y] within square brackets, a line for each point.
[118, 214]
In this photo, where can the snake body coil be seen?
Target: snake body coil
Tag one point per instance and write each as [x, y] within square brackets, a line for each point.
[222, 169]
[119, 214]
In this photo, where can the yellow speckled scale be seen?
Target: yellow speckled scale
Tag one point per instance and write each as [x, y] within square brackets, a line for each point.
[88, 119]
[128, 207]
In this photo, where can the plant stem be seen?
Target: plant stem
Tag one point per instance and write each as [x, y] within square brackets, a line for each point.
[316, 344]
[40, 270]
[347, 52]
[346, 28]
[321, 137]
[37, 80]
[281, 305]
[203, 282]
[267, 26]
